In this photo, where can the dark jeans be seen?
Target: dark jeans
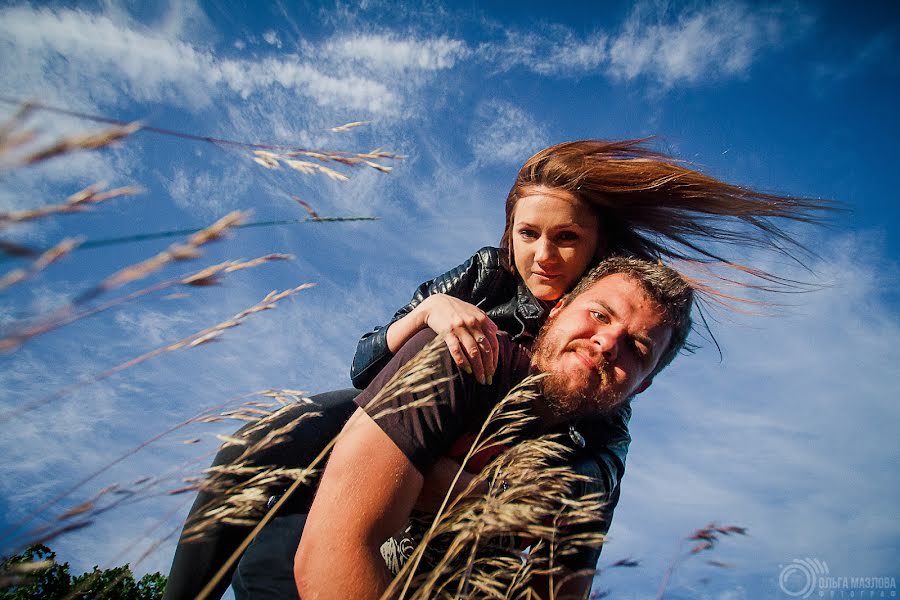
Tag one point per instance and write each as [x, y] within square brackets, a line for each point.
[266, 571]
[195, 563]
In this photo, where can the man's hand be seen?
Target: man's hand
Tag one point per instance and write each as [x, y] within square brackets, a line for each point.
[366, 494]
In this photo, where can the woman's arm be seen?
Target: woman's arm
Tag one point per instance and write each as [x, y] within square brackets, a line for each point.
[469, 333]
[451, 309]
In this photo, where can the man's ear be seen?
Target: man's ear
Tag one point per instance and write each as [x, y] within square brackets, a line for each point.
[644, 385]
[556, 308]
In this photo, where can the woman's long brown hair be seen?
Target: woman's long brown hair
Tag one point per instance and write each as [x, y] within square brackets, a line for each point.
[653, 206]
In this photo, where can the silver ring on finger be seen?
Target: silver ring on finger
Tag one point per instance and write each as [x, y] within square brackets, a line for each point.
[480, 339]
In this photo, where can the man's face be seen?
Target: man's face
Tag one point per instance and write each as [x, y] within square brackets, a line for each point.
[600, 349]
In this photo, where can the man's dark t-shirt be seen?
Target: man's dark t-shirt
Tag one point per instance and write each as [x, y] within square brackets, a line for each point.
[426, 431]
[423, 433]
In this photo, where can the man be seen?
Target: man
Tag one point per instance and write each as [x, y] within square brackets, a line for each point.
[602, 344]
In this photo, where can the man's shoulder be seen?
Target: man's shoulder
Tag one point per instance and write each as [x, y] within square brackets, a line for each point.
[515, 358]
[513, 362]
[415, 344]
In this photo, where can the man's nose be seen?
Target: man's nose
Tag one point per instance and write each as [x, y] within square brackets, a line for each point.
[608, 343]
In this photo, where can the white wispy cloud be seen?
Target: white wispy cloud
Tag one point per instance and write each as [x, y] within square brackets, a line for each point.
[209, 194]
[557, 53]
[394, 53]
[697, 44]
[154, 326]
[271, 38]
[879, 50]
[148, 65]
[504, 133]
[668, 46]
[151, 66]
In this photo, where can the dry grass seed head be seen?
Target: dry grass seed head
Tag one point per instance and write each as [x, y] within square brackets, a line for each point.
[538, 500]
[81, 141]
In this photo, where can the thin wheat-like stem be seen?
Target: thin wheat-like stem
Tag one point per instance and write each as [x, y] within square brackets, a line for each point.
[49, 257]
[705, 539]
[273, 160]
[35, 105]
[79, 142]
[413, 564]
[80, 201]
[13, 250]
[204, 416]
[10, 136]
[176, 252]
[69, 314]
[201, 337]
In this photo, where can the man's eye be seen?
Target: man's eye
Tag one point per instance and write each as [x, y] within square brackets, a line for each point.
[600, 316]
[642, 352]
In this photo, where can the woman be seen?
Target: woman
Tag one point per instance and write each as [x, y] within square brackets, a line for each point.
[631, 200]
[571, 204]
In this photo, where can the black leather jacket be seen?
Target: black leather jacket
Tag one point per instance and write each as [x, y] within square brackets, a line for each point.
[485, 281]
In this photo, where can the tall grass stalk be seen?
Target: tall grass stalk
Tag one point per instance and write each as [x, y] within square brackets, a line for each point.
[20, 148]
[68, 314]
[201, 337]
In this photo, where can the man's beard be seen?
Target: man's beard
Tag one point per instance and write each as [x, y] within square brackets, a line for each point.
[568, 395]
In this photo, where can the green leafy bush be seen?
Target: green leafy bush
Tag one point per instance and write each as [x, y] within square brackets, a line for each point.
[35, 575]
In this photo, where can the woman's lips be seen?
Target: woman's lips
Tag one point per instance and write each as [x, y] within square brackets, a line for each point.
[544, 276]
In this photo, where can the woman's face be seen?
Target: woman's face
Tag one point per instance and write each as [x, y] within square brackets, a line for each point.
[555, 236]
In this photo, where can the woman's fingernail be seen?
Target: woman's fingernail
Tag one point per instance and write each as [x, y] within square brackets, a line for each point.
[490, 380]
[468, 370]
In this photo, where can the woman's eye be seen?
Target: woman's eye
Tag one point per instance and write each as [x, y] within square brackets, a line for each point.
[528, 233]
[567, 236]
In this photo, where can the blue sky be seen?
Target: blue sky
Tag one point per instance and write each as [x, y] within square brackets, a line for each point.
[789, 434]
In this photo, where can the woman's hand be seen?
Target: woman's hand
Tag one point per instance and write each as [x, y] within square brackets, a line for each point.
[468, 332]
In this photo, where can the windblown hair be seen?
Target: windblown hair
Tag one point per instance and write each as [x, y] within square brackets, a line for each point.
[664, 285]
[652, 206]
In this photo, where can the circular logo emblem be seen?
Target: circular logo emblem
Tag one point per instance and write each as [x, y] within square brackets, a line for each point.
[799, 578]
